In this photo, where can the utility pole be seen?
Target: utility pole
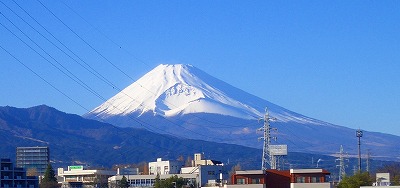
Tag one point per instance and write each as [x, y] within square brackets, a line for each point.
[342, 166]
[359, 134]
[267, 158]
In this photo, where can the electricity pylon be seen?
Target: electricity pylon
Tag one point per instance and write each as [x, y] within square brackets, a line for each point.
[342, 166]
[368, 158]
[267, 158]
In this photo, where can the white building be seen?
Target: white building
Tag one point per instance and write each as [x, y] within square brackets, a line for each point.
[201, 176]
[77, 177]
[146, 181]
[165, 167]
[205, 173]
[199, 160]
[382, 180]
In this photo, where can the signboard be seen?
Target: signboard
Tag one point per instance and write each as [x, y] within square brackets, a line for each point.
[278, 149]
[75, 168]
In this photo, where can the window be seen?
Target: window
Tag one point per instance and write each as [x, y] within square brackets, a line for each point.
[240, 181]
[148, 182]
[315, 180]
[300, 180]
[255, 181]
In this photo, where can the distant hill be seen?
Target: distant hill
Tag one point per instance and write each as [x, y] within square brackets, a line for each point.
[183, 97]
[76, 140]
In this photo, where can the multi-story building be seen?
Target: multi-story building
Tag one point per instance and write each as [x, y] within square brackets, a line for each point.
[33, 159]
[205, 173]
[199, 160]
[147, 181]
[11, 176]
[200, 176]
[293, 178]
[78, 177]
[165, 167]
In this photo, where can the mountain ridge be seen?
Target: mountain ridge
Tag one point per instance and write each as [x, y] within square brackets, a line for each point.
[74, 140]
[187, 102]
[167, 81]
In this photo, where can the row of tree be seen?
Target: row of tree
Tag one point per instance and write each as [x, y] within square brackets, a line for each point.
[49, 179]
[365, 179]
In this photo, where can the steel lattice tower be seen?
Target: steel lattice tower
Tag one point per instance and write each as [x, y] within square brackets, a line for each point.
[267, 159]
[342, 166]
[368, 158]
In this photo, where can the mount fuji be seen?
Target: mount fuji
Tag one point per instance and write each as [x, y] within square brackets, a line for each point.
[183, 101]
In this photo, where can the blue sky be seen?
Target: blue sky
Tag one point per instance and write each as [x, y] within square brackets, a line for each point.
[336, 61]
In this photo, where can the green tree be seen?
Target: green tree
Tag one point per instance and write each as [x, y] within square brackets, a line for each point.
[171, 182]
[355, 181]
[157, 182]
[49, 179]
[123, 183]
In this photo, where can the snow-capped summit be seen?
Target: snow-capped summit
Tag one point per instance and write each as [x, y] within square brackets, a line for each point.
[171, 90]
[183, 101]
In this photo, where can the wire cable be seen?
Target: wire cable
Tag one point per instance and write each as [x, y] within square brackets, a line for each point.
[115, 43]
[38, 75]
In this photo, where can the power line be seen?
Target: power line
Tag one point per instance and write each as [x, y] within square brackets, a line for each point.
[87, 67]
[107, 37]
[118, 45]
[68, 73]
[76, 34]
[154, 94]
[63, 69]
[58, 62]
[71, 75]
[54, 87]
[35, 73]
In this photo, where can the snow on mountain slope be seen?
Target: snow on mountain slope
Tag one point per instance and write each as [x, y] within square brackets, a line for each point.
[183, 101]
[171, 90]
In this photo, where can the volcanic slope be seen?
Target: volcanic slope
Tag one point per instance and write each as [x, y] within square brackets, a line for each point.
[184, 101]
